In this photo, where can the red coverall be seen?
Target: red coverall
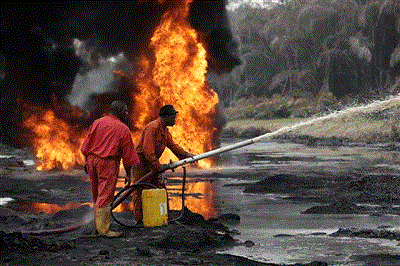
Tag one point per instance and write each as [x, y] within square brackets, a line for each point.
[107, 142]
[150, 147]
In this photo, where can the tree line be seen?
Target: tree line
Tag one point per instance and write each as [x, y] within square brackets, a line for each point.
[299, 48]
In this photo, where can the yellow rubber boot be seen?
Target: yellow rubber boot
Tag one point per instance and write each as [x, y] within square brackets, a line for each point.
[102, 218]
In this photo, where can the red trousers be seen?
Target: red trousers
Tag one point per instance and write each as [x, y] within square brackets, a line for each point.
[103, 174]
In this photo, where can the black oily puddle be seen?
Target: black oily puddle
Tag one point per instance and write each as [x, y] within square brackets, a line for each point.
[201, 189]
[200, 196]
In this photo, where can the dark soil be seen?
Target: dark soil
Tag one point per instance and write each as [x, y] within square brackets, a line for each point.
[68, 237]
[339, 194]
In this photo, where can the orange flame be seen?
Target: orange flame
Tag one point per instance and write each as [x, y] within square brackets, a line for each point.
[49, 208]
[178, 77]
[204, 204]
[54, 142]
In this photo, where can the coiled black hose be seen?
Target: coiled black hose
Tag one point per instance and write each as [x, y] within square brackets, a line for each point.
[118, 199]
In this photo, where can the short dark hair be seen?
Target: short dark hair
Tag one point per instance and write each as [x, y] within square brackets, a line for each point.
[117, 108]
[167, 110]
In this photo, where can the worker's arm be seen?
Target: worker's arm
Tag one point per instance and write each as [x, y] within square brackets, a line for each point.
[176, 149]
[129, 155]
[85, 148]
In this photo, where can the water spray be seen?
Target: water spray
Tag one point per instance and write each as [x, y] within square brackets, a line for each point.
[382, 105]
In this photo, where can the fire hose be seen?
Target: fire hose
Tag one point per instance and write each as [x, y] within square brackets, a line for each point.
[120, 197]
[140, 184]
[124, 193]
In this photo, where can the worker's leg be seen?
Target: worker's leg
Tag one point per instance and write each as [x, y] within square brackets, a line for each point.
[107, 172]
[137, 205]
[91, 163]
[107, 175]
[139, 171]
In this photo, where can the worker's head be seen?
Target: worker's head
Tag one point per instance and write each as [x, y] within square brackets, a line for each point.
[168, 115]
[119, 109]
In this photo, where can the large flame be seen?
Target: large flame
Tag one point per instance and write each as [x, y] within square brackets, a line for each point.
[175, 74]
[178, 77]
[56, 142]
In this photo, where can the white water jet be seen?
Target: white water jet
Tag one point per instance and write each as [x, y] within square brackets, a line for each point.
[378, 105]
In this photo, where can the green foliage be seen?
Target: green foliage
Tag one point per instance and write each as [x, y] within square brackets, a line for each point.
[298, 47]
[277, 106]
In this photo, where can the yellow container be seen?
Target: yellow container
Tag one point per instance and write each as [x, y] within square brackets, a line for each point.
[155, 208]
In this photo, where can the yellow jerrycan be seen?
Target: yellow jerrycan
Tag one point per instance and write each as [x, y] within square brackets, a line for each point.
[155, 208]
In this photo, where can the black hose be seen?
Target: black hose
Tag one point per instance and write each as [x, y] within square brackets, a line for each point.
[182, 213]
[134, 187]
[142, 185]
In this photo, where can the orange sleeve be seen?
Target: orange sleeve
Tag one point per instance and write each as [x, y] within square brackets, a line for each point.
[149, 147]
[87, 142]
[129, 154]
[175, 148]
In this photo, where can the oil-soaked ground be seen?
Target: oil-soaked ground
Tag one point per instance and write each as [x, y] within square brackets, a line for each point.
[316, 200]
[277, 202]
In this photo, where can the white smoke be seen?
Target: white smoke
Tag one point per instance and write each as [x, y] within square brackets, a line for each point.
[98, 77]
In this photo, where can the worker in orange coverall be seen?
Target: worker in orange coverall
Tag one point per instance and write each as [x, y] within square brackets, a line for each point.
[108, 141]
[151, 144]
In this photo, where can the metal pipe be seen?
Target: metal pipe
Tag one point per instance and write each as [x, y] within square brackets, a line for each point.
[214, 152]
[253, 140]
[128, 190]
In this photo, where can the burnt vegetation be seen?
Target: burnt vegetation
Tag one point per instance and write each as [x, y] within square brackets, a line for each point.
[310, 48]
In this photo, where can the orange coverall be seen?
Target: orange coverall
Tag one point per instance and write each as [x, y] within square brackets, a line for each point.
[108, 141]
[150, 147]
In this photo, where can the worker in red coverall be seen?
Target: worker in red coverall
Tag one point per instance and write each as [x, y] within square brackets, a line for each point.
[152, 142]
[107, 141]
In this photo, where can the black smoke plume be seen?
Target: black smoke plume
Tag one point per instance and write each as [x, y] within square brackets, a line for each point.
[39, 62]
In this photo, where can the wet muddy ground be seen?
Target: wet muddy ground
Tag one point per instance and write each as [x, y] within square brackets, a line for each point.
[35, 239]
[46, 219]
[340, 185]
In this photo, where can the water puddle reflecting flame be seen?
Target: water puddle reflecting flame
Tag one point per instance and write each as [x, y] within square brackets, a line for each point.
[47, 208]
[200, 198]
